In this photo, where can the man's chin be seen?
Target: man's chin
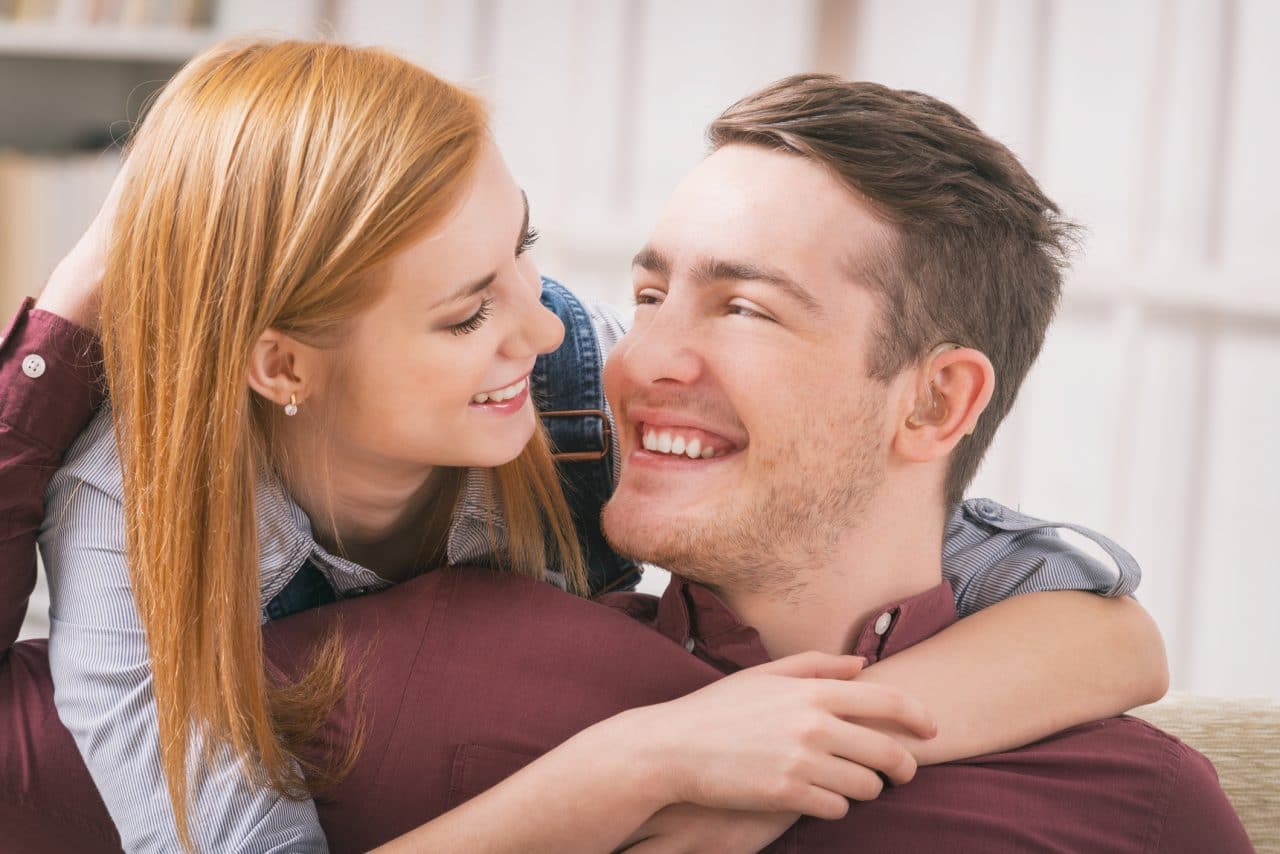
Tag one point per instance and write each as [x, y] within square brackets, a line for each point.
[639, 530]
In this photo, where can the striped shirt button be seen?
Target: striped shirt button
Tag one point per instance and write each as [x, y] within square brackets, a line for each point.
[989, 510]
[33, 366]
[883, 622]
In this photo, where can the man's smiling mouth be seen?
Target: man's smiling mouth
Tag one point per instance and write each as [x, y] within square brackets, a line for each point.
[684, 441]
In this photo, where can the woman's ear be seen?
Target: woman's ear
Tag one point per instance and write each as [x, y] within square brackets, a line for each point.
[953, 387]
[282, 369]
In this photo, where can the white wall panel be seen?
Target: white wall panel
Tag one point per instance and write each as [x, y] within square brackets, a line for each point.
[1068, 422]
[1008, 65]
[1158, 485]
[696, 59]
[1251, 218]
[1185, 196]
[918, 44]
[1236, 631]
[443, 35]
[1098, 132]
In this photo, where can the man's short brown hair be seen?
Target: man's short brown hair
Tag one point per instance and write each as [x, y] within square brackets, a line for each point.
[978, 250]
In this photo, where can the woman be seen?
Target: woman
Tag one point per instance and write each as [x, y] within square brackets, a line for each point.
[320, 321]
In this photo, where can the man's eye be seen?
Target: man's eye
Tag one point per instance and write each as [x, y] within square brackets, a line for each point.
[747, 310]
[475, 321]
[649, 296]
[526, 243]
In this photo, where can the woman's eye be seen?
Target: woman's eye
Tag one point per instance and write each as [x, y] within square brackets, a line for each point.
[649, 296]
[474, 322]
[526, 243]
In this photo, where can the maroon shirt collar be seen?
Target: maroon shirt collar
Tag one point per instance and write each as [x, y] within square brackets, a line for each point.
[691, 614]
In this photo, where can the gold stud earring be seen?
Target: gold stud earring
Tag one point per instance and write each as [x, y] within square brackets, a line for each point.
[291, 408]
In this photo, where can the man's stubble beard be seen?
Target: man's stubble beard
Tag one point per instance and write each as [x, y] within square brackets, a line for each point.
[770, 541]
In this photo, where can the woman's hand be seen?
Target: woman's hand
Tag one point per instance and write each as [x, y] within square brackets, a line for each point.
[783, 738]
[72, 290]
[689, 829]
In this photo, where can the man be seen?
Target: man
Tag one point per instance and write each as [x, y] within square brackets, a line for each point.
[834, 313]
[843, 300]
[818, 454]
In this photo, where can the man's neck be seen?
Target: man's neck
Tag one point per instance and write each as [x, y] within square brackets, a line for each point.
[894, 552]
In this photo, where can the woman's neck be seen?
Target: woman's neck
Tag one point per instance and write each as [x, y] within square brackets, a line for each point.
[384, 517]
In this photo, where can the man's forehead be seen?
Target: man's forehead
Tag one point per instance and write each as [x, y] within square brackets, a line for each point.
[769, 209]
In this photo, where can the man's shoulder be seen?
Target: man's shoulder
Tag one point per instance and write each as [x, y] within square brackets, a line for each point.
[1192, 811]
[1133, 782]
[1116, 785]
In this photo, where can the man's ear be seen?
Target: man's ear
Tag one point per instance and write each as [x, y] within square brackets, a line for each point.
[282, 369]
[952, 389]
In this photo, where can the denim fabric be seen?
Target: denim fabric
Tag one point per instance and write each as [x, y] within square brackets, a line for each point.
[307, 589]
[568, 387]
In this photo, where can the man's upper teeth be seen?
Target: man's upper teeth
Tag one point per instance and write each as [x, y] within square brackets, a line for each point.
[669, 442]
[501, 394]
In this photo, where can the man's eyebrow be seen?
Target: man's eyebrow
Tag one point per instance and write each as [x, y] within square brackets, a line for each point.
[479, 285]
[718, 269]
[652, 260]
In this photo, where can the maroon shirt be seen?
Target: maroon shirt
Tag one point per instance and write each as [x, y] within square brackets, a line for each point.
[47, 800]
[1113, 785]
[463, 676]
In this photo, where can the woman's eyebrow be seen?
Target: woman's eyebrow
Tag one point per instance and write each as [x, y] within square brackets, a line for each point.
[477, 286]
[524, 226]
[467, 290]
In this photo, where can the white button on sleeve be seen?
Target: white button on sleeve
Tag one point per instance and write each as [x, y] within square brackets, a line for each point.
[883, 622]
[33, 366]
[689, 644]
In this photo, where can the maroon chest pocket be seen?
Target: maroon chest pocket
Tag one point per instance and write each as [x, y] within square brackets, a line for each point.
[477, 768]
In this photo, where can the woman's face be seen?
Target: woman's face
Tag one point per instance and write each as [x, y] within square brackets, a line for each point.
[436, 372]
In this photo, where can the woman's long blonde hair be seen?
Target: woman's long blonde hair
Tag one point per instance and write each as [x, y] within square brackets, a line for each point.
[267, 182]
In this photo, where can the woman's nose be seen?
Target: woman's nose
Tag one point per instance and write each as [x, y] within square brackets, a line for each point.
[538, 329]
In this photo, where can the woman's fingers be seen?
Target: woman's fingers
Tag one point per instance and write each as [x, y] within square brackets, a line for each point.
[848, 779]
[866, 701]
[875, 751]
[821, 803]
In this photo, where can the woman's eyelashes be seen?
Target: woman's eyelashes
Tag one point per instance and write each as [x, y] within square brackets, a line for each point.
[474, 322]
[526, 243]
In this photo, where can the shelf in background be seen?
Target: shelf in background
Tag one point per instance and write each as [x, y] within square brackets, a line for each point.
[117, 43]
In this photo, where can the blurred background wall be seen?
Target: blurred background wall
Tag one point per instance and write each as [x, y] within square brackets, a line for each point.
[1152, 414]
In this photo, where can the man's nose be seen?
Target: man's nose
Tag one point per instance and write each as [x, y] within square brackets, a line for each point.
[662, 348]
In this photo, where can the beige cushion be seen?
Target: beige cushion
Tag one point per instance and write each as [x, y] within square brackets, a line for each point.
[1241, 737]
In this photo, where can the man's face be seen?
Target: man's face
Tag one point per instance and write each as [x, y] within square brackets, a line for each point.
[752, 437]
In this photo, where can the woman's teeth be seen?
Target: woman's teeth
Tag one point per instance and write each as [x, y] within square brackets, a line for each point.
[501, 394]
[667, 442]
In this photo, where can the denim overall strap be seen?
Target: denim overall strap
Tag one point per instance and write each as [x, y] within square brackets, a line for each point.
[568, 389]
[307, 589]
